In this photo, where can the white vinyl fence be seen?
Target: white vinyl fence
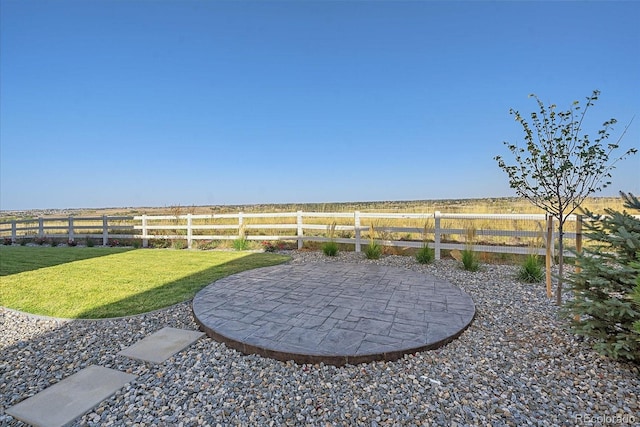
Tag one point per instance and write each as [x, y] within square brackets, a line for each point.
[497, 233]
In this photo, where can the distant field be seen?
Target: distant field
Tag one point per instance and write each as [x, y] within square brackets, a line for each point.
[481, 206]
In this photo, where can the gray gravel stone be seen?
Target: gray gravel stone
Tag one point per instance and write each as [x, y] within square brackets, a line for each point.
[515, 365]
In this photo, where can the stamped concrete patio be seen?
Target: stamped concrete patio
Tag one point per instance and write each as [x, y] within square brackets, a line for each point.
[333, 312]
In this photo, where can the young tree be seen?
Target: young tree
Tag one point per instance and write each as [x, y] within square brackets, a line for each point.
[560, 165]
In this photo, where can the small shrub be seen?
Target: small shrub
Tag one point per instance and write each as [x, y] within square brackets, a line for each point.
[204, 245]
[602, 306]
[23, 242]
[241, 244]
[7, 241]
[470, 260]
[72, 243]
[373, 251]
[531, 270]
[114, 242]
[90, 242]
[137, 244]
[53, 243]
[425, 255]
[159, 243]
[40, 240]
[268, 246]
[330, 249]
[179, 244]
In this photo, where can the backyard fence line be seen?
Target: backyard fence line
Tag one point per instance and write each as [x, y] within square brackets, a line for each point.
[497, 233]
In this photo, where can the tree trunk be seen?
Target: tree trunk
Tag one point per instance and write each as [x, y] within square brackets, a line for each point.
[560, 261]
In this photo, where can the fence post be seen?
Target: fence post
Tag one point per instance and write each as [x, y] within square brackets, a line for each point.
[300, 234]
[549, 254]
[40, 227]
[356, 220]
[240, 227]
[189, 231]
[578, 240]
[145, 239]
[436, 233]
[71, 233]
[105, 230]
[14, 231]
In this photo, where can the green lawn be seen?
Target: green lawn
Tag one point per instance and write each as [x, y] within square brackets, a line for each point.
[111, 282]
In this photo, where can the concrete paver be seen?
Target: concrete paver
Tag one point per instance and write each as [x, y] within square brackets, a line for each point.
[63, 402]
[335, 313]
[161, 345]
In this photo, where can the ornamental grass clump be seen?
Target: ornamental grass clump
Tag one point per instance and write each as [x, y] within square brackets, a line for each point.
[330, 248]
[531, 271]
[373, 250]
[426, 254]
[241, 243]
[470, 260]
[469, 257]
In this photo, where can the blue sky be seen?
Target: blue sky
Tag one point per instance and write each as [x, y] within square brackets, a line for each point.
[159, 103]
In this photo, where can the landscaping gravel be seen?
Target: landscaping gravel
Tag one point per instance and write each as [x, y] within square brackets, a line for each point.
[515, 365]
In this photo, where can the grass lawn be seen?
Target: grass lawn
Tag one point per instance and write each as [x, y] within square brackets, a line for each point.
[111, 282]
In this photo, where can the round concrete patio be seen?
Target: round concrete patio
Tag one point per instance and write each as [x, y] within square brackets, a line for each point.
[335, 313]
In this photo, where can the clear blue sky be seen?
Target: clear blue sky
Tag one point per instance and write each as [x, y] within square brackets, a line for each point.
[158, 103]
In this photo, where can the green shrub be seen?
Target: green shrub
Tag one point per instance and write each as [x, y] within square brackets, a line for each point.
[373, 251]
[241, 244]
[602, 306]
[90, 242]
[54, 243]
[179, 244]
[205, 245]
[330, 249]
[470, 260]
[531, 271]
[23, 242]
[425, 255]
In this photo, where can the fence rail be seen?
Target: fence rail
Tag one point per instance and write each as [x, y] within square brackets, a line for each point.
[497, 233]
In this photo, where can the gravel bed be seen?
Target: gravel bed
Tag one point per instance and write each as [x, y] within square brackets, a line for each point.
[515, 365]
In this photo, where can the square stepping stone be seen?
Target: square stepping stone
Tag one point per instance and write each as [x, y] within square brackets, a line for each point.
[63, 402]
[161, 345]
